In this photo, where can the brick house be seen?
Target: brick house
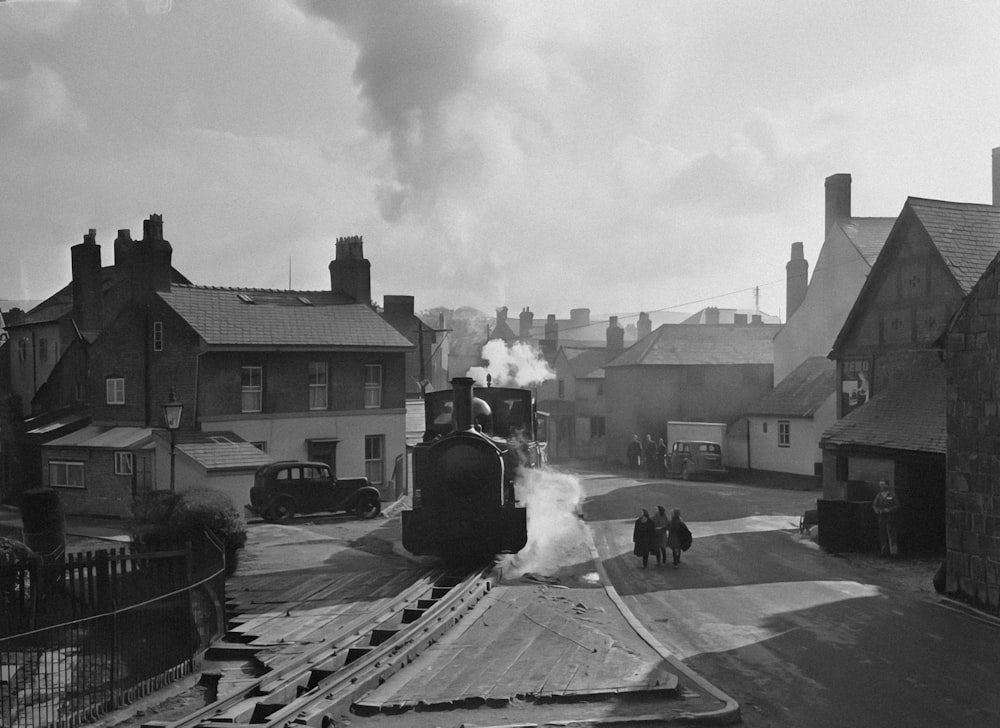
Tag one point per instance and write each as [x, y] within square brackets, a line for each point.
[891, 380]
[300, 374]
[972, 501]
[686, 372]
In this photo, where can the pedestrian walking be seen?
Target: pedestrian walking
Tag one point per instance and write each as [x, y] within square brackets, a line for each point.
[661, 458]
[678, 537]
[662, 522]
[886, 505]
[633, 453]
[649, 456]
[644, 537]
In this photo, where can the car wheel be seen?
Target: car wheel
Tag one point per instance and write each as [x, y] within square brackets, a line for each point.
[368, 506]
[281, 510]
[685, 473]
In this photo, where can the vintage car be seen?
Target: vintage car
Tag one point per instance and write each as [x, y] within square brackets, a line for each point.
[695, 458]
[286, 488]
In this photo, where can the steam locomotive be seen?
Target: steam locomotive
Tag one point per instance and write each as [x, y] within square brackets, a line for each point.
[474, 446]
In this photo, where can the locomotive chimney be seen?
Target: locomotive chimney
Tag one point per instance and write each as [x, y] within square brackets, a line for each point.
[462, 402]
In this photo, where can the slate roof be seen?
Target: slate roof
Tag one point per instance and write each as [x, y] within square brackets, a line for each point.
[280, 318]
[868, 234]
[911, 416]
[967, 235]
[114, 438]
[693, 344]
[222, 456]
[802, 392]
[586, 362]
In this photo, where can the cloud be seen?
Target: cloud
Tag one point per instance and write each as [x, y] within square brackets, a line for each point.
[36, 101]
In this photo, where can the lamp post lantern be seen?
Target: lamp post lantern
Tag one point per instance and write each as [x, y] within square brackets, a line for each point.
[172, 411]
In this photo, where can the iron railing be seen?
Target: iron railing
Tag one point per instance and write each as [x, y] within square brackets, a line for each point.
[120, 644]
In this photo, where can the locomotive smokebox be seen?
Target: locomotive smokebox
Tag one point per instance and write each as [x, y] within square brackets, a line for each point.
[462, 393]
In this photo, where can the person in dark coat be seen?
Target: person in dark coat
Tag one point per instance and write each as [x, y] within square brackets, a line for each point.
[661, 458]
[678, 537]
[886, 505]
[644, 537]
[633, 453]
[649, 455]
[662, 522]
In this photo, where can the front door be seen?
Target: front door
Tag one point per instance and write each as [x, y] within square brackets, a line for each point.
[324, 451]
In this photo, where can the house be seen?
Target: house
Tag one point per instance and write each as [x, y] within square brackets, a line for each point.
[972, 526]
[298, 374]
[714, 315]
[574, 401]
[890, 376]
[686, 372]
[780, 432]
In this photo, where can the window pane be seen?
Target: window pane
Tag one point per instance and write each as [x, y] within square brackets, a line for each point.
[252, 390]
[373, 385]
[374, 445]
[317, 385]
[115, 390]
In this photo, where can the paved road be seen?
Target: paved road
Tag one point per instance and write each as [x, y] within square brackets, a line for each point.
[798, 636]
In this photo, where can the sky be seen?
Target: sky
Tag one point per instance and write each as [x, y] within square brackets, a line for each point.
[617, 156]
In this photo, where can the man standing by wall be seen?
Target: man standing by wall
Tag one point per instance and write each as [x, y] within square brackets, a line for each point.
[886, 505]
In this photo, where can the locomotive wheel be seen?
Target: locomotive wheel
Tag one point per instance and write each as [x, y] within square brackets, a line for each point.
[280, 511]
[368, 506]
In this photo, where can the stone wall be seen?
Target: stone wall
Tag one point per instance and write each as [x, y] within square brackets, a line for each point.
[973, 477]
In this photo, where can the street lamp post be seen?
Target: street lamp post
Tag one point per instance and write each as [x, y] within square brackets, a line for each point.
[172, 411]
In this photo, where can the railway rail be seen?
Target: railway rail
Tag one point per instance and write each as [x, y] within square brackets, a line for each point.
[322, 683]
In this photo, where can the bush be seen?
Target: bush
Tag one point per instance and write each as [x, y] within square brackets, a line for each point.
[182, 516]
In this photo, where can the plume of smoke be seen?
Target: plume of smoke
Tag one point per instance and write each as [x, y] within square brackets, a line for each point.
[518, 365]
[555, 531]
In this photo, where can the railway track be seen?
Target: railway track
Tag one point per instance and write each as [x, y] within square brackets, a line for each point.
[322, 683]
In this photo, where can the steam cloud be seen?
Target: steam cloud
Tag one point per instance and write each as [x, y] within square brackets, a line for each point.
[516, 366]
[555, 531]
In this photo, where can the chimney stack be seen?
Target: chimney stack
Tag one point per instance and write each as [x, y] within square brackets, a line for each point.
[350, 272]
[796, 280]
[712, 315]
[615, 338]
[740, 319]
[996, 176]
[88, 292]
[525, 320]
[838, 199]
[550, 344]
[644, 326]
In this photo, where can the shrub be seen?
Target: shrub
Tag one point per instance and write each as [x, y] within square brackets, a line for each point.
[183, 516]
